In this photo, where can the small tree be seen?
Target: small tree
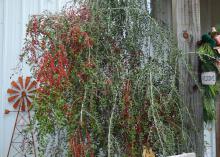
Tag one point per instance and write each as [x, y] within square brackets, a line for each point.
[107, 75]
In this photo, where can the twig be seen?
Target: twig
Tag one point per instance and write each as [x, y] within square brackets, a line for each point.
[82, 107]
[110, 126]
[154, 117]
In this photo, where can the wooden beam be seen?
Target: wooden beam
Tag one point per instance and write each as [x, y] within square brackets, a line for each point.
[186, 14]
[174, 16]
[162, 11]
[206, 16]
[218, 126]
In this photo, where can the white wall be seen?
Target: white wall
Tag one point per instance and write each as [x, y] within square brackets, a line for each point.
[14, 15]
[210, 139]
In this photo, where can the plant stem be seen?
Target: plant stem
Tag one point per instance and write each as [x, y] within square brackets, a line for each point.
[82, 107]
[110, 126]
[154, 117]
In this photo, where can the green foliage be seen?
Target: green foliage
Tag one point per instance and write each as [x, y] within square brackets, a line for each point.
[208, 58]
[120, 93]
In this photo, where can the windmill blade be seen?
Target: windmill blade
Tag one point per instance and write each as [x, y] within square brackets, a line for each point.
[27, 81]
[20, 80]
[16, 104]
[12, 91]
[32, 91]
[32, 85]
[15, 85]
[23, 107]
[12, 98]
[28, 102]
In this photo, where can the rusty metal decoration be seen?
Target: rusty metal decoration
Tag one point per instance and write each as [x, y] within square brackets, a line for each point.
[21, 95]
[186, 35]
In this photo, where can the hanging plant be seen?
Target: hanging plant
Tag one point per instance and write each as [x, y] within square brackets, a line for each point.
[107, 75]
[209, 56]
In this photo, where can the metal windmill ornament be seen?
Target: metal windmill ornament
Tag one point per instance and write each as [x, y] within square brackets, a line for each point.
[20, 95]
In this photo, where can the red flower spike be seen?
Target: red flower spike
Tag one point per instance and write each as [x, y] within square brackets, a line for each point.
[23, 96]
[53, 69]
[35, 25]
[81, 144]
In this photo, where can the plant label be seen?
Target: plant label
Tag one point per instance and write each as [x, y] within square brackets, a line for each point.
[208, 78]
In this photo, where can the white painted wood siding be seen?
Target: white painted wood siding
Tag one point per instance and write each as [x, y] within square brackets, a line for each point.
[210, 139]
[14, 15]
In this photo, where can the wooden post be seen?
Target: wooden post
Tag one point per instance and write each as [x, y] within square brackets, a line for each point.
[162, 11]
[218, 126]
[187, 19]
[206, 16]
